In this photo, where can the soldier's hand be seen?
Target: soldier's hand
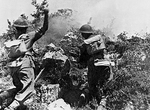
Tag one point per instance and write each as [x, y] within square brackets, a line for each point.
[45, 11]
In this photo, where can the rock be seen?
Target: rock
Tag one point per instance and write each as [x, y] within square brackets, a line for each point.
[49, 93]
[129, 106]
[14, 104]
[59, 105]
[102, 105]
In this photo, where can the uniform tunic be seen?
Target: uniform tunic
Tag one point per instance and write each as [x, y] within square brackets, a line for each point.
[97, 75]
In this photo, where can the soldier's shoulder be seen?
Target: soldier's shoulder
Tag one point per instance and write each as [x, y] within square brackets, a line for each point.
[31, 33]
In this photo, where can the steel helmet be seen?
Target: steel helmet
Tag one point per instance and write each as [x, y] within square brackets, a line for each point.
[21, 22]
[86, 29]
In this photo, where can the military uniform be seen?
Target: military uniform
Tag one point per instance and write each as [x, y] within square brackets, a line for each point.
[97, 75]
[22, 68]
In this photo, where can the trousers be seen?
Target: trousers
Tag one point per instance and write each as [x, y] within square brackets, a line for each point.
[23, 80]
[97, 77]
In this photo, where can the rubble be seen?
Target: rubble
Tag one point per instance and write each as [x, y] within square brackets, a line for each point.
[59, 104]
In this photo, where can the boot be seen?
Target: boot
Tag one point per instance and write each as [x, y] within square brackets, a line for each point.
[6, 98]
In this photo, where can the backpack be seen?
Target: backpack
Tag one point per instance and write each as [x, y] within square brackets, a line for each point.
[15, 48]
[94, 44]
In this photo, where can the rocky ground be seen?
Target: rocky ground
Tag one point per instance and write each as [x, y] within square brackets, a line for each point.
[45, 97]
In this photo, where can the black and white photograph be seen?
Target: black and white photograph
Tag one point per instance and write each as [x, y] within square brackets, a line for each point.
[75, 55]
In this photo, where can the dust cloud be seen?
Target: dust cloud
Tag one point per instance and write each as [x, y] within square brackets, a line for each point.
[132, 16]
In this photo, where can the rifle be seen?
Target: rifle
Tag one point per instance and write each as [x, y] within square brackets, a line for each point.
[21, 98]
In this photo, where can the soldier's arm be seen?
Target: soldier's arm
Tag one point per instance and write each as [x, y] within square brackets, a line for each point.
[40, 32]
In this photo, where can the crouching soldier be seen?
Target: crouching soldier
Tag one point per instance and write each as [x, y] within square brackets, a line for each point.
[20, 62]
[92, 51]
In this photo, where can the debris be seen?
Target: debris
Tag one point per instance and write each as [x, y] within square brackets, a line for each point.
[59, 105]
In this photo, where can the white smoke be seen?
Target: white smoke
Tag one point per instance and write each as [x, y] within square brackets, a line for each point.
[132, 16]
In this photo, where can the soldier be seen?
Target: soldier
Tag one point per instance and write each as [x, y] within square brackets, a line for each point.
[97, 75]
[22, 67]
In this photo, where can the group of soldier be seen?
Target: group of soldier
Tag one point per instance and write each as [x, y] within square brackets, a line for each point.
[23, 74]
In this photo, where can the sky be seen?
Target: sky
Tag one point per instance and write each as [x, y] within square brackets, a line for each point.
[132, 16]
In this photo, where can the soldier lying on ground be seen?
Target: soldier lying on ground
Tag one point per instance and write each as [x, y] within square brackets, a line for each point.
[56, 64]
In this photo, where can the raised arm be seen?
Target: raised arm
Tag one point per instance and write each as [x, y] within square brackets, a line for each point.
[40, 32]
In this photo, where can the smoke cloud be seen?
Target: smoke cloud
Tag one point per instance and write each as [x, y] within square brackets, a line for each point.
[132, 16]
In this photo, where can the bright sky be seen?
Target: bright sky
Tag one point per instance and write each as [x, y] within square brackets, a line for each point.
[132, 16]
